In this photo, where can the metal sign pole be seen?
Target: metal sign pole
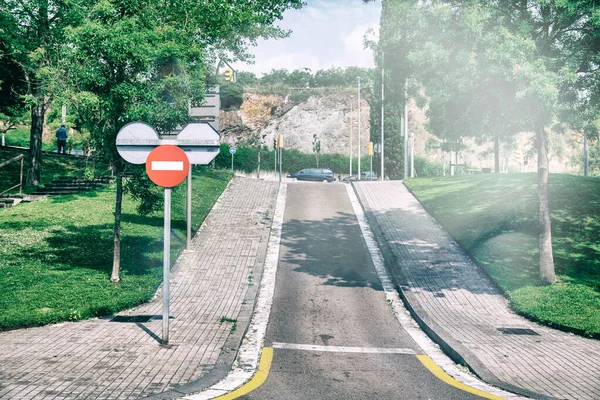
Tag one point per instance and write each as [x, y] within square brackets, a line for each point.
[231, 162]
[280, 156]
[189, 210]
[166, 267]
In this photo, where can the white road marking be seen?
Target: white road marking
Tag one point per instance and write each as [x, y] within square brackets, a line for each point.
[408, 323]
[167, 165]
[342, 349]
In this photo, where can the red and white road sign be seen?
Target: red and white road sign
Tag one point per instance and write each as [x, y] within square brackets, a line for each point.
[167, 165]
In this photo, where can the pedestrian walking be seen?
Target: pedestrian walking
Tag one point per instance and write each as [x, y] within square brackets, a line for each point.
[61, 137]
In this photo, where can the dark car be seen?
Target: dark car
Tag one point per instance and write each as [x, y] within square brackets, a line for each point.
[313, 174]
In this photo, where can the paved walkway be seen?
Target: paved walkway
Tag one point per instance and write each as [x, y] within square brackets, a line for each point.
[100, 359]
[454, 300]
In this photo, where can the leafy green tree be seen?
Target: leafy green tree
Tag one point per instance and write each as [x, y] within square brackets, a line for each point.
[232, 95]
[31, 34]
[275, 77]
[488, 69]
[145, 61]
[316, 145]
[12, 90]
[245, 78]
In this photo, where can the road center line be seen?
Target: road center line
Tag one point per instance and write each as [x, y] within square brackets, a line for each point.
[342, 349]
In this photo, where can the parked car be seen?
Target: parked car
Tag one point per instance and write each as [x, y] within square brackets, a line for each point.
[364, 176]
[313, 174]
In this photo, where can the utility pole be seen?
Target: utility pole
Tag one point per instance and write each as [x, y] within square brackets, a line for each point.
[404, 123]
[351, 121]
[358, 128]
[382, 118]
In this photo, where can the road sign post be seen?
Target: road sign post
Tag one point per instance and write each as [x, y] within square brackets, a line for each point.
[167, 166]
[280, 146]
[378, 148]
[232, 151]
[168, 163]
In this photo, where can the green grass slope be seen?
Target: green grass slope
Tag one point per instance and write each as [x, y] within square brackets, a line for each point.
[494, 217]
[56, 254]
[53, 166]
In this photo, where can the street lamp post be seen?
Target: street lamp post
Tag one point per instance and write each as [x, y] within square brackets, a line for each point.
[351, 120]
[358, 128]
[382, 118]
[405, 130]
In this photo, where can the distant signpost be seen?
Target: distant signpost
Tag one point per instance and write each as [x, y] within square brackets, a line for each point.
[232, 151]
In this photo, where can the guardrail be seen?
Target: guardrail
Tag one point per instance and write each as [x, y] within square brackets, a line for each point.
[5, 163]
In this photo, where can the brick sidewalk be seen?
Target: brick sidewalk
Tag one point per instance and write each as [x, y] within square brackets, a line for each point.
[100, 359]
[455, 301]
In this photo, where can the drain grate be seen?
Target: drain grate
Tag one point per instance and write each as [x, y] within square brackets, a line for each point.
[133, 318]
[518, 331]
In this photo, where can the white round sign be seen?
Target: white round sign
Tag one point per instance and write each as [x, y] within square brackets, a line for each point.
[135, 141]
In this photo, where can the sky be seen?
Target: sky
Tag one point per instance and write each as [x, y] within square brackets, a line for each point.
[325, 34]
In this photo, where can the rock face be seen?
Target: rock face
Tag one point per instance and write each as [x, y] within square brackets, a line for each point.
[327, 116]
[265, 116]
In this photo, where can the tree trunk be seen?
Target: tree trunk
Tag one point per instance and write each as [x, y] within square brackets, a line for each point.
[114, 277]
[546, 260]
[497, 155]
[34, 170]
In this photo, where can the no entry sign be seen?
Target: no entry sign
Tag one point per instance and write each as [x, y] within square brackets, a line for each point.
[167, 166]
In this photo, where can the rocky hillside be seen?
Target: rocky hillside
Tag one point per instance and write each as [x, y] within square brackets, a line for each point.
[265, 116]
[327, 116]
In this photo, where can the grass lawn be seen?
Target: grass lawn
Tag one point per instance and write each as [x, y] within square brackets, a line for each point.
[494, 217]
[56, 254]
[53, 166]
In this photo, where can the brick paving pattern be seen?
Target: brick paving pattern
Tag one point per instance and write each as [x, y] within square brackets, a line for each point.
[464, 308]
[100, 359]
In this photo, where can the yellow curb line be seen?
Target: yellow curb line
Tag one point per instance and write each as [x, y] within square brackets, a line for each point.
[258, 379]
[443, 376]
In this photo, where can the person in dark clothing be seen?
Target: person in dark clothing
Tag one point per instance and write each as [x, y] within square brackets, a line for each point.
[61, 137]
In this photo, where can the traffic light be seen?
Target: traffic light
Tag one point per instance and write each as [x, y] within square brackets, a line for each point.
[274, 143]
[280, 141]
[228, 74]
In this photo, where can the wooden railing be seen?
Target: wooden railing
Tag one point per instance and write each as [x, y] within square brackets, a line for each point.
[5, 163]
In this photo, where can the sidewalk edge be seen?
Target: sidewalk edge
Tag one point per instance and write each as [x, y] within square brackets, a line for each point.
[456, 351]
[234, 340]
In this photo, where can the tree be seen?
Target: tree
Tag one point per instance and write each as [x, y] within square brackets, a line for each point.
[490, 69]
[145, 61]
[32, 34]
[246, 78]
[12, 90]
[316, 145]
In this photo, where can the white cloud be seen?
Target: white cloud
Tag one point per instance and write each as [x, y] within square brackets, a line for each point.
[325, 33]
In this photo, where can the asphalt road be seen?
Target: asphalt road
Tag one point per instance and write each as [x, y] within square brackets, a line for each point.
[328, 294]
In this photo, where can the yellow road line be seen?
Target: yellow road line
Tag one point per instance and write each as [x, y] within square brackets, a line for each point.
[443, 376]
[258, 379]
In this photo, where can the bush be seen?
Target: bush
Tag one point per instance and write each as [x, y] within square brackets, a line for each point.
[231, 96]
[18, 137]
[424, 168]
[246, 159]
